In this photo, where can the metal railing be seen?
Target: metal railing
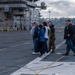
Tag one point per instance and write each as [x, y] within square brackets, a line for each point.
[7, 26]
[10, 26]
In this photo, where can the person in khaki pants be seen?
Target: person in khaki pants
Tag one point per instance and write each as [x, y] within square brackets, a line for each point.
[51, 37]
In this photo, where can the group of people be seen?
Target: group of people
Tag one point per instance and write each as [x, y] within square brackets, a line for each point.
[43, 38]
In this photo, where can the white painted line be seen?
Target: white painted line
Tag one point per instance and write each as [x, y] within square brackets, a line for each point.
[3, 49]
[34, 66]
[26, 43]
[58, 53]
[61, 69]
[20, 44]
[60, 45]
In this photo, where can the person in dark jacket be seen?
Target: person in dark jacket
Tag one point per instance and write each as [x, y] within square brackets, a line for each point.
[68, 35]
[74, 35]
[35, 36]
[41, 40]
[51, 37]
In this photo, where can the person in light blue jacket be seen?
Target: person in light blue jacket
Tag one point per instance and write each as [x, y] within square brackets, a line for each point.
[41, 39]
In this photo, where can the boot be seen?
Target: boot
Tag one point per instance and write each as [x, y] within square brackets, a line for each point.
[53, 51]
[65, 54]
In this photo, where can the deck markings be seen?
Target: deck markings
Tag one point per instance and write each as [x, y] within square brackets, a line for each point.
[36, 66]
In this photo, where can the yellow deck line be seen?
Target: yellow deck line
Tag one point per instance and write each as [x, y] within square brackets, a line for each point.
[49, 65]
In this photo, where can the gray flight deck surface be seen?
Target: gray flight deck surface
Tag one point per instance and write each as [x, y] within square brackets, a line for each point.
[15, 51]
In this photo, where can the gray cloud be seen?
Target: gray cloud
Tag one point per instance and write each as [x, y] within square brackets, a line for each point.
[63, 3]
[59, 8]
[65, 7]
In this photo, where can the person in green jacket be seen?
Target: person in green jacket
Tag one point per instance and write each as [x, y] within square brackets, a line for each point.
[51, 37]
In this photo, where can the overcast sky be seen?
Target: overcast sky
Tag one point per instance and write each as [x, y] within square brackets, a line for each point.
[58, 8]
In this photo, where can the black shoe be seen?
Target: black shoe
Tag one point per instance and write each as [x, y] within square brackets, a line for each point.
[65, 54]
[49, 50]
[74, 55]
[52, 52]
